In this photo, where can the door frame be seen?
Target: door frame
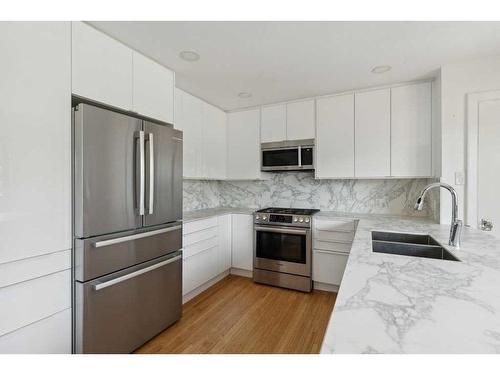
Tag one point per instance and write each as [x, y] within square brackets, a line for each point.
[472, 150]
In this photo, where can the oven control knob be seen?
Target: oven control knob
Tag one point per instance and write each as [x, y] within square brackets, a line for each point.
[257, 217]
[295, 219]
[264, 217]
[301, 220]
[306, 220]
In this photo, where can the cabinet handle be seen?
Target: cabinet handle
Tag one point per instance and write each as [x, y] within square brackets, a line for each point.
[331, 252]
[131, 275]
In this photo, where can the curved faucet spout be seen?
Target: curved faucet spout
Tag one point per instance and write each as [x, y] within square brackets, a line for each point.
[456, 225]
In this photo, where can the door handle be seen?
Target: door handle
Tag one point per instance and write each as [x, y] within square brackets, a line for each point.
[137, 236]
[131, 275]
[151, 173]
[278, 230]
[142, 172]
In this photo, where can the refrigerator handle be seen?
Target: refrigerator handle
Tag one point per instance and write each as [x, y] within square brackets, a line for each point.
[151, 173]
[142, 172]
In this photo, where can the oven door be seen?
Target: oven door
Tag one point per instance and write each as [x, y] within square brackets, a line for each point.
[283, 249]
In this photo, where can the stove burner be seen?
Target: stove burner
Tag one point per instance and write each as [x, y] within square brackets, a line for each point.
[288, 211]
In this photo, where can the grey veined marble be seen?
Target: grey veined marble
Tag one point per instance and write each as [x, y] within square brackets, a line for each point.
[300, 189]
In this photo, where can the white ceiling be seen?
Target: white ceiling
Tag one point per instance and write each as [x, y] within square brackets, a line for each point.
[278, 61]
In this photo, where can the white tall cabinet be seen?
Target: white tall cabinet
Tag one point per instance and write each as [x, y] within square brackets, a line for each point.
[411, 130]
[243, 145]
[335, 136]
[35, 187]
[373, 133]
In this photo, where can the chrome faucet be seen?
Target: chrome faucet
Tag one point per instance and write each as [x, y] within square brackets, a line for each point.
[456, 225]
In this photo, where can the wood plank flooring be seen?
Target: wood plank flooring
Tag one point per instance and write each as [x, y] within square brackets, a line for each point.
[238, 316]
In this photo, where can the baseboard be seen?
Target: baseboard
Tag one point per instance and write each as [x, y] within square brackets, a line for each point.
[241, 272]
[325, 287]
[203, 287]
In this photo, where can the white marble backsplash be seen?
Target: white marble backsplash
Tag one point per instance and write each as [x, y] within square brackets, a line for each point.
[301, 190]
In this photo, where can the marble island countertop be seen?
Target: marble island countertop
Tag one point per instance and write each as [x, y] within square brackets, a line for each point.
[401, 304]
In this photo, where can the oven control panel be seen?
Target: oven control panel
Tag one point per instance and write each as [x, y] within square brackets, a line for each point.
[283, 219]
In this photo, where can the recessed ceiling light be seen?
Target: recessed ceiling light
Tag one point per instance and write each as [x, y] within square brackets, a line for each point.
[244, 95]
[381, 69]
[189, 56]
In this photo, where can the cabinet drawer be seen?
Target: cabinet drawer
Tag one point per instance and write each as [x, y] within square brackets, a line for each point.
[198, 247]
[328, 268]
[199, 269]
[197, 225]
[201, 235]
[343, 247]
[336, 225]
[323, 235]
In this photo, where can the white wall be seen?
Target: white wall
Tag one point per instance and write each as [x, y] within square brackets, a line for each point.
[458, 80]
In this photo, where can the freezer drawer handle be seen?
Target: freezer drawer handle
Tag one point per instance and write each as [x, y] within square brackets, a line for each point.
[136, 273]
[135, 236]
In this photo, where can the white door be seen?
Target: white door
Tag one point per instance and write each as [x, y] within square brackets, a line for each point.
[242, 241]
[488, 163]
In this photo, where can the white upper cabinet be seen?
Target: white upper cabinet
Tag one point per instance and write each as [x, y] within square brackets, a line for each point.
[191, 118]
[213, 142]
[411, 130]
[153, 89]
[300, 120]
[204, 134]
[335, 137]
[373, 133]
[243, 145]
[101, 67]
[273, 123]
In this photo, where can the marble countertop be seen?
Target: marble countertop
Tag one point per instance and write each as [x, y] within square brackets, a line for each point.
[217, 211]
[400, 304]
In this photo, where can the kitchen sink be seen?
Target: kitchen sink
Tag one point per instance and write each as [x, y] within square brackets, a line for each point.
[415, 245]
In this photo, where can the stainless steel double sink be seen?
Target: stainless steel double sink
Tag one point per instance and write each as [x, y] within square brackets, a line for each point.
[415, 245]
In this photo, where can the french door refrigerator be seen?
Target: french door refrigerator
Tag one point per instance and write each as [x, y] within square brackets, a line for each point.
[127, 212]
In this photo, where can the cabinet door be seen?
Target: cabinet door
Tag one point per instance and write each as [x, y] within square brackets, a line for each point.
[102, 67]
[153, 89]
[224, 225]
[242, 242]
[335, 136]
[214, 142]
[199, 269]
[192, 119]
[373, 134]
[35, 123]
[273, 123]
[328, 267]
[178, 108]
[411, 130]
[243, 142]
[300, 118]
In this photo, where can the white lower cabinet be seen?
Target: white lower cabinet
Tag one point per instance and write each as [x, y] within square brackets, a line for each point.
[242, 242]
[328, 267]
[206, 251]
[331, 247]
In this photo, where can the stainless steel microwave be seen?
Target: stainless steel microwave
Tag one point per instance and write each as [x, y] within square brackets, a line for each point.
[287, 155]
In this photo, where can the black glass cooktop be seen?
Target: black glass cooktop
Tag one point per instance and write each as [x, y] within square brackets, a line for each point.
[289, 211]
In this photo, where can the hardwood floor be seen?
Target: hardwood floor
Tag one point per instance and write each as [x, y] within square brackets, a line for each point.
[238, 316]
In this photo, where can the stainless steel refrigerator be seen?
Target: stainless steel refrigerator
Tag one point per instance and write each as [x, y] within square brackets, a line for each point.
[127, 212]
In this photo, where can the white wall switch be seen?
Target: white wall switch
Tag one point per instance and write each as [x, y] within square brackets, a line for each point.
[459, 178]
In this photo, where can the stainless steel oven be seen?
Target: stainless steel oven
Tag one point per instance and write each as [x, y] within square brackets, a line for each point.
[283, 248]
[288, 155]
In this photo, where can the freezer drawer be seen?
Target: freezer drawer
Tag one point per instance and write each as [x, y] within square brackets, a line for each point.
[120, 312]
[98, 256]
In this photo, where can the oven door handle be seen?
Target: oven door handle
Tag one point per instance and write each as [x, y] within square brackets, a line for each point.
[279, 230]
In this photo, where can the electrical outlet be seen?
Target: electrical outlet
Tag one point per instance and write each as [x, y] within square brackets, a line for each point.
[459, 178]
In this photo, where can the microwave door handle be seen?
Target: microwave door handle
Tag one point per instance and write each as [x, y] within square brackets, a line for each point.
[151, 173]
